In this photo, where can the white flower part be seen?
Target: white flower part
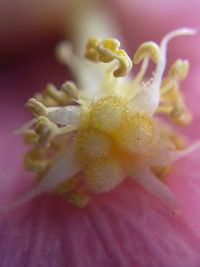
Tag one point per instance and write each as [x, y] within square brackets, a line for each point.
[154, 186]
[62, 170]
[147, 100]
[67, 115]
[178, 154]
[164, 156]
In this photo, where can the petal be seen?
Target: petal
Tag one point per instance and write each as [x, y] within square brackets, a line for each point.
[64, 115]
[63, 169]
[123, 228]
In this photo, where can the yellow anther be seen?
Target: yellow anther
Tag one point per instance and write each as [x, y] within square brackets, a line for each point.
[178, 141]
[46, 100]
[179, 69]
[125, 64]
[57, 95]
[90, 49]
[33, 160]
[71, 90]
[35, 107]
[147, 49]
[46, 131]
[106, 51]
[161, 171]
[78, 199]
[179, 114]
[30, 136]
[66, 187]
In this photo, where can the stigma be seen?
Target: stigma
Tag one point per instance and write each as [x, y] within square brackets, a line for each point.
[88, 140]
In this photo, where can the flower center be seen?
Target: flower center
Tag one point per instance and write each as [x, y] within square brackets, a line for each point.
[108, 113]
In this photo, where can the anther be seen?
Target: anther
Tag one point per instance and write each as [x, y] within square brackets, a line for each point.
[35, 107]
[179, 69]
[107, 50]
[58, 95]
[71, 90]
[30, 136]
[90, 49]
[179, 114]
[78, 199]
[46, 131]
[33, 160]
[147, 49]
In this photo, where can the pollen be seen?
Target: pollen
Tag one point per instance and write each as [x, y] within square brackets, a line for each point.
[137, 134]
[104, 174]
[93, 143]
[109, 113]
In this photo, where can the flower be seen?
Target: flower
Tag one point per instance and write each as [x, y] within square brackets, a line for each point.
[125, 227]
[113, 128]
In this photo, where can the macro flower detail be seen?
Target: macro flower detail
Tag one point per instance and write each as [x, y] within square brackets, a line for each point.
[87, 140]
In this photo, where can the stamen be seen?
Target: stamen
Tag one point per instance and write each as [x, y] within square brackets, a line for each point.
[33, 160]
[70, 89]
[46, 131]
[107, 50]
[30, 136]
[78, 199]
[151, 97]
[179, 69]
[179, 114]
[66, 187]
[171, 99]
[147, 50]
[58, 95]
[114, 131]
[35, 107]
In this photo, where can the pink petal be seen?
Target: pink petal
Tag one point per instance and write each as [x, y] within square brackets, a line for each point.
[124, 228]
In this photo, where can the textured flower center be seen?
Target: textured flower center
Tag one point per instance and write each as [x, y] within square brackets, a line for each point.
[108, 114]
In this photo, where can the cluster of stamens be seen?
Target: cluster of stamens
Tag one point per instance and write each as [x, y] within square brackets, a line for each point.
[112, 132]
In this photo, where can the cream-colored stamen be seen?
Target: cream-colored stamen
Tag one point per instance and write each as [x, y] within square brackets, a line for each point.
[107, 50]
[35, 107]
[179, 69]
[33, 160]
[71, 90]
[147, 50]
